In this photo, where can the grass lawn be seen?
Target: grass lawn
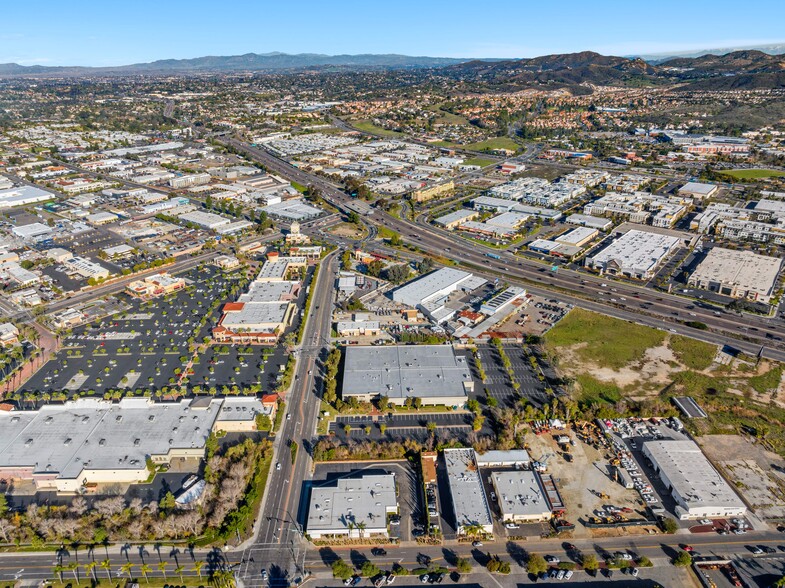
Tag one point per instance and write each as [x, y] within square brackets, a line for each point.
[481, 161]
[610, 342]
[696, 355]
[368, 127]
[767, 381]
[299, 187]
[495, 143]
[594, 391]
[753, 174]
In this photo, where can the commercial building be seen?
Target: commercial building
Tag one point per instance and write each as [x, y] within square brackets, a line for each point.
[698, 190]
[15, 272]
[498, 458]
[424, 194]
[64, 447]
[156, 285]
[208, 220]
[470, 505]
[555, 248]
[85, 268]
[737, 273]
[337, 507]
[521, 496]
[23, 195]
[101, 218]
[594, 222]
[699, 490]
[435, 374]
[578, 237]
[434, 285]
[31, 231]
[9, 334]
[502, 300]
[456, 218]
[636, 254]
[189, 180]
[294, 209]
[238, 413]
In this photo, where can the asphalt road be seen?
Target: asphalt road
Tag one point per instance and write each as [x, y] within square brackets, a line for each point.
[746, 333]
[279, 546]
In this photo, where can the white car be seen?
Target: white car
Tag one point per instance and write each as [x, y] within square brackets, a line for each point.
[568, 574]
[512, 526]
[278, 467]
[704, 522]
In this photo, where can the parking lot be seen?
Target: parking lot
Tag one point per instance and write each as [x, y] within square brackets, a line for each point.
[497, 381]
[454, 425]
[149, 346]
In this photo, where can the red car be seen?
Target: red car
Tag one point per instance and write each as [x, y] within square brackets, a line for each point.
[687, 548]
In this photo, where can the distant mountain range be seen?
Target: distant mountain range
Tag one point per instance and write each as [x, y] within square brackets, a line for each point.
[736, 70]
[746, 69]
[235, 63]
[774, 49]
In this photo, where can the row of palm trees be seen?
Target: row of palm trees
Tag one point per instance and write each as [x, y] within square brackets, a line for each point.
[126, 568]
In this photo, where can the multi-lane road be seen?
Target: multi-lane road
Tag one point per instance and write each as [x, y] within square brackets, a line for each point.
[278, 547]
[748, 333]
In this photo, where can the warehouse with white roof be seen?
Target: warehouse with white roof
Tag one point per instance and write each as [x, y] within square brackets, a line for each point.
[636, 254]
[470, 505]
[737, 273]
[63, 447]
[698, 488]
[435, 374]
[337, 507]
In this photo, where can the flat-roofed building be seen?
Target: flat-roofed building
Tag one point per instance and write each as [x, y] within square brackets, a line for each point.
[156, 285]
[521, 496]
[85, 268]
[9, 334]
[502, 300]
[63, 447]
[470, 505]
[500, 458]
[698, 190]
[238, 413]
[435, 374]
[208, 220]
[594, 222]
[578, 237]
[337, 506]
[101, 218]
[434, 285]
[23, 195]
[698, 488]
[737, 273]
[31, 231]
[454, 219]
[635, 254]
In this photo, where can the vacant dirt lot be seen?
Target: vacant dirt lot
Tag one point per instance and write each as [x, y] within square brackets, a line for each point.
[758, 474]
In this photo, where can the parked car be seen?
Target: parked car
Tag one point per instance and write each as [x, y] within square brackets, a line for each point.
[476, 543]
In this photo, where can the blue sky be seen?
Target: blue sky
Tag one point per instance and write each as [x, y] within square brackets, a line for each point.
[112, 32]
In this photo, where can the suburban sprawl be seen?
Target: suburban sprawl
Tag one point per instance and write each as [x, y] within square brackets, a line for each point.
[488, 324]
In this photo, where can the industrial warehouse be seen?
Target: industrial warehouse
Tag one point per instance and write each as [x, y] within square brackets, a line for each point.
[64, 447]
[435, 374]
[737, 273]
[636, 254]
[699, 490]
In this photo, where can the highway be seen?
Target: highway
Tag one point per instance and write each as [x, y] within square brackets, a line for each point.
[278, 546]
[748, 333]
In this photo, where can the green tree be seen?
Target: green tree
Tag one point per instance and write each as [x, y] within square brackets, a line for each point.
[590, 563]
[536, 564]
[167, 503]
[369, 569]
[106, 565]
[670, 526]
[463, 565]
[682, 559]
[146, 569]
[342, 570]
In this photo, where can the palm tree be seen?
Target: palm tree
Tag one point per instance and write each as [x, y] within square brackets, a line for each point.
[89, 568]
[126, 568]
[179, 571]
[74, 567]
[146, 569]
[162, 568]
[107, 565]
[198, 565]
[58, 569]
[361, 528]
[472, 529]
